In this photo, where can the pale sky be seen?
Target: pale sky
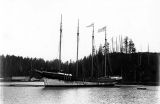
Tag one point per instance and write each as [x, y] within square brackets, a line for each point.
[30, 28]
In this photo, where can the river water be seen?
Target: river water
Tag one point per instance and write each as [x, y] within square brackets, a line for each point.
[23, 93]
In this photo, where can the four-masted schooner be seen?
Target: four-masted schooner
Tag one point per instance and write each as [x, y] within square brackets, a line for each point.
[57, 79]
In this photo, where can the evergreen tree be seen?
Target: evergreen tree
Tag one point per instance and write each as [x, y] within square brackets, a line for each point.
[131, 46]
[126, 44]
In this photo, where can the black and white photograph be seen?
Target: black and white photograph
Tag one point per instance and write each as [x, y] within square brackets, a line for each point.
[79, 52]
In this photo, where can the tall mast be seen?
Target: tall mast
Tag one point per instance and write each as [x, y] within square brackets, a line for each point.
[105, 51]
[92, 25]
[92, 50]
[60, 44]
[100, 30]
[77, 47]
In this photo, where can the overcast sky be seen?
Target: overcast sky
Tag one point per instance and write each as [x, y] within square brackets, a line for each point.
[30, 28]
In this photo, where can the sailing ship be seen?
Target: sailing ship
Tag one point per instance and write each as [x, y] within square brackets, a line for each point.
[59, 79]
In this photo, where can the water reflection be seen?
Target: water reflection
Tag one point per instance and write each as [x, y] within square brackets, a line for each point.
[69, 95]
[84, 95]
[105, 95]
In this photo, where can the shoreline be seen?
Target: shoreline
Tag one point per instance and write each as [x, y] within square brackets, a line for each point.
[41, 84]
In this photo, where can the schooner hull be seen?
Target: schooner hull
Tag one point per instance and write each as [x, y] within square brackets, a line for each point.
[61, 83]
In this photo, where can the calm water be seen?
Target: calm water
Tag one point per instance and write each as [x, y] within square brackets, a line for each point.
[94, 95]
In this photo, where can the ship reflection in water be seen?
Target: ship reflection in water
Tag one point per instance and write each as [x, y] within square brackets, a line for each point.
[74, 95]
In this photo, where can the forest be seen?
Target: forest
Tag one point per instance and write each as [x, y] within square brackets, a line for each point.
[134, 67]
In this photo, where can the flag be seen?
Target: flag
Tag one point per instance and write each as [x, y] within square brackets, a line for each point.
[102, 29]
[91, 25]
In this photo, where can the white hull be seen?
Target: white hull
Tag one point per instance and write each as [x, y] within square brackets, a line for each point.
[62, 83]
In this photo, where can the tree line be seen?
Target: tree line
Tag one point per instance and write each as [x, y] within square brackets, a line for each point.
[141, 67]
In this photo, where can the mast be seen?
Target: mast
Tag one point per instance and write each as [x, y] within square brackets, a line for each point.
[77, 47]
[101, 30]
[60, 44]
[92, 25]
[92, 50]
[105, 52]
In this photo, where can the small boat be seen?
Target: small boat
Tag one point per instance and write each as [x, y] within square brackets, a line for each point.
[141, 88]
